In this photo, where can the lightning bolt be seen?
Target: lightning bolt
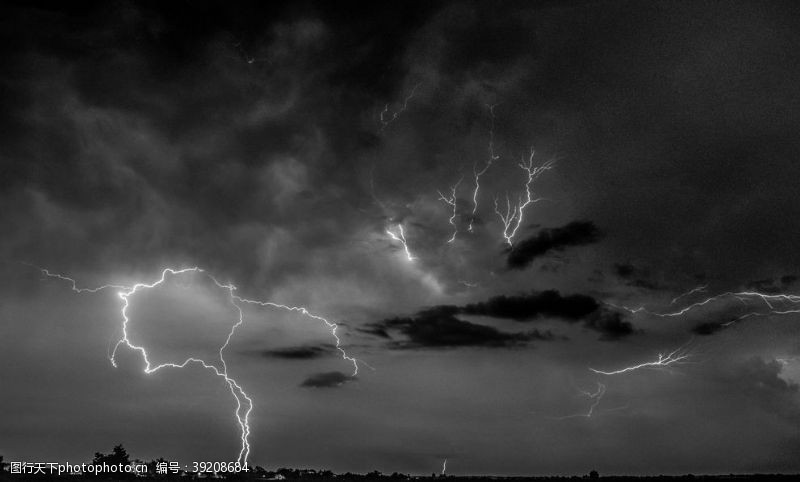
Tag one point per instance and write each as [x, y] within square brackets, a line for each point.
[386, 118]
[75, 284]
[244, 404]
[775, 304]
[476, 173]
[451, 201]
[401, 238]
[699, 289]
[513, 217]
[677, 356]
[594, 396]
[444, 466]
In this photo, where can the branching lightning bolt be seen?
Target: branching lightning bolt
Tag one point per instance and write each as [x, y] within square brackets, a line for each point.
[75, 284]
[513, 217]
[775, 304]
[595, 396]
[386, 118]
[244, 404]
[677, 356]
[476, 173]
[400, 237]
[699, 289]
[452, 201]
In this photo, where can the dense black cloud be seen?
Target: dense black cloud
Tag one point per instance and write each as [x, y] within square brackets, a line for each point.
[306, 352]
[526, 307]
[327, 380]
[576, 233]
[610, 324]
[438, 327]
[707, 328]
[635, 276]
[624, 270]
[571, 308]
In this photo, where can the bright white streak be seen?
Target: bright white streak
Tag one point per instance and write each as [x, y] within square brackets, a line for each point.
[401, 238]
[384, 121]
[513, 217]
[242, 415]
[699, 289]
[675, 357]
[477, 174]
[451, 201]
[596, 397]
[776, 304]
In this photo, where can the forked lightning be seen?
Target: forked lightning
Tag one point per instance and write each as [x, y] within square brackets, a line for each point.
[244, 404]
[512, 219]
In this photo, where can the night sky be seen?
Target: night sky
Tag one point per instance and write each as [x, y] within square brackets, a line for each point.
[282, 147]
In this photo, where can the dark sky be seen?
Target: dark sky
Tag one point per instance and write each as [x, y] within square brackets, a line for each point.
[282, 148]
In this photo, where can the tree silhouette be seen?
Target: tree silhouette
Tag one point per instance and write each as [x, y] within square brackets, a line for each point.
[117, 456]
[594, 475]
[2, 464]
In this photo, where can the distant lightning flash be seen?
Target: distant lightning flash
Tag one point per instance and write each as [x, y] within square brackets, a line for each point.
[451, 201]
[513, 217]
[401, 238]
[677, 356]
[775, 304]
[699, 289]
[594, 396]
[244, 404]
[444, 466]
[477, 174]
[75, 285]
[386, 118]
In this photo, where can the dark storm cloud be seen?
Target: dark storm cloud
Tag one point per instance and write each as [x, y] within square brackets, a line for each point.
[609, 323]
[635, 276]
[708, 328]
[526, 307]
[439, 328]
[306, 352]
[327, 380]
[551, 304]
[576, 233]
[439, 325]
[161, 165]
[624, 270]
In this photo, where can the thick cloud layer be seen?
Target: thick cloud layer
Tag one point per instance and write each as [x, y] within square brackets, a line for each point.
[576, 233]
[327, 380]
[438, 326]
[548, 303]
